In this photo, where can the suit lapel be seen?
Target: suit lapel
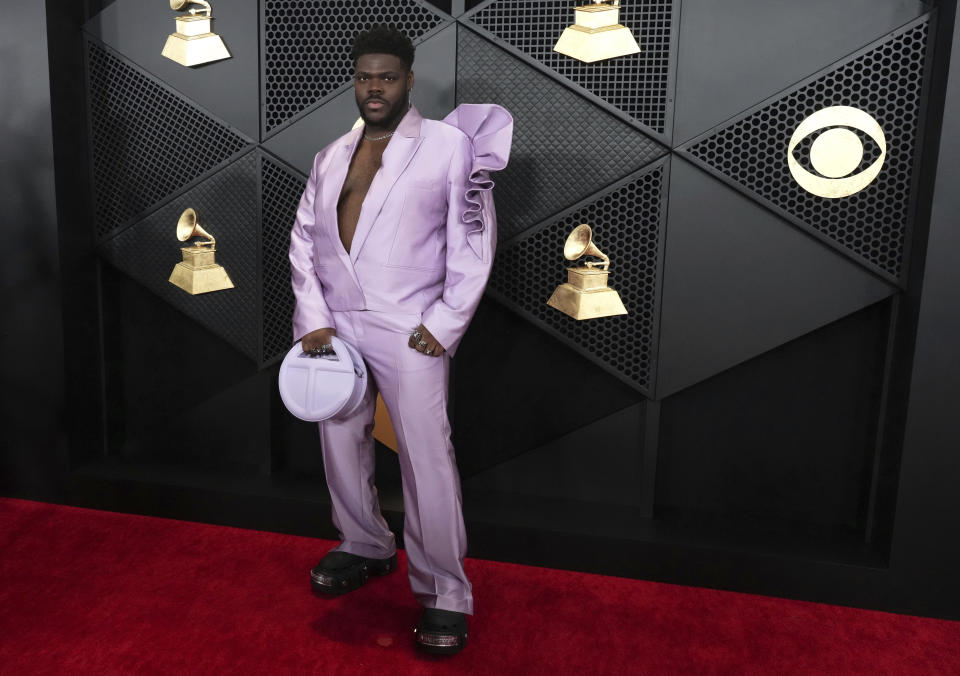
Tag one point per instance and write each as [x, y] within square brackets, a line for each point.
[333, 181]
[396, 157]
[330, 188]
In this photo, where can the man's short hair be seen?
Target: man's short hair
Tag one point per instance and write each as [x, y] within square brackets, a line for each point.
[383, 39]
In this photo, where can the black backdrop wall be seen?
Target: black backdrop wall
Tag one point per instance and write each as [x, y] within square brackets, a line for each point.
[32, 437]
[742, 428]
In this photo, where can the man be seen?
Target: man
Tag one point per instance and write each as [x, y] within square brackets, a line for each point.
[391, 250]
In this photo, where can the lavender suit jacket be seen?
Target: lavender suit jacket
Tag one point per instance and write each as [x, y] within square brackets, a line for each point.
[426, 236]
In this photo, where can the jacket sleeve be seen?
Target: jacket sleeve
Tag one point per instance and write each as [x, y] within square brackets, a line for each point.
[471, 218]
[310, 310]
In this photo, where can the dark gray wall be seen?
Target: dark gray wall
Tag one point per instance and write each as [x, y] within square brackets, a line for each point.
[925, 556]
[31, 345]
[273, 487]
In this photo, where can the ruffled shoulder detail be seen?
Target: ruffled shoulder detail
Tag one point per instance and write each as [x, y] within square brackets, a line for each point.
[490, 128]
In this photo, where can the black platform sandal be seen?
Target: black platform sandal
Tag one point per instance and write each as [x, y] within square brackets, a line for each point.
[441, 632]
[340, 572]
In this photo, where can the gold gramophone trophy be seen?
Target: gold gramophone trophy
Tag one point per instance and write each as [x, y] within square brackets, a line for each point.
[198, 272]
[194, 43]
[585, 294]
[597, 34]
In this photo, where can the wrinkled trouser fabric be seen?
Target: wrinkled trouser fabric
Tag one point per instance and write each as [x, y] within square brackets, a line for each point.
[414, 388]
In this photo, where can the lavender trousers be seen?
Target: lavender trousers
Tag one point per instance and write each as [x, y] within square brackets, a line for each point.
[414, 388]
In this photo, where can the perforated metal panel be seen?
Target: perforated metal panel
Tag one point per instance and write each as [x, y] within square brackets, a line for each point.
[227, 206]
[147, 141]
[637, 84]
[885, 80]
[306, 47]
[570, 144]
[564, 147]
[282, 189]
[627, 221]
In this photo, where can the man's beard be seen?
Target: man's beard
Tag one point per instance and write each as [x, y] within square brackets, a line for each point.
[396, 114]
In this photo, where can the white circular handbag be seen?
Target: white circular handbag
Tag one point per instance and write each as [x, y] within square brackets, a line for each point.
[323, 387]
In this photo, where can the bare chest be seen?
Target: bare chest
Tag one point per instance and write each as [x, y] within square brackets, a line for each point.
[363, 168]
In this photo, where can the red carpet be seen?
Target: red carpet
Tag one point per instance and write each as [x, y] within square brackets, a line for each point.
[89, 592]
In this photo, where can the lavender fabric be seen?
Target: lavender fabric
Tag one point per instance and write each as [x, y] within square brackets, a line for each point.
[414, 388]
[427, 230]
[422, 252]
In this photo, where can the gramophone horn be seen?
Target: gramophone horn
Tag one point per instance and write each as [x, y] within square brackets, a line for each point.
[580, 243]
[585, 294]
[188, 227]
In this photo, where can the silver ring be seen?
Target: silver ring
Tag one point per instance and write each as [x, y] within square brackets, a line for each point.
[421, 343]
[316, 350]
[430, 351]
[417, 335]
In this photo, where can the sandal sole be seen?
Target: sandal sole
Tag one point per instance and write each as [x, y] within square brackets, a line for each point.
[443, 650]
[438, 628]
[379, 567]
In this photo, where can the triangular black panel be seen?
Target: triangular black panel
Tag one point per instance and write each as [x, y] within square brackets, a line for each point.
[735, 53]
[228, 209]
[505, 365]
[307, 47]
[147, 141]
[597, 462]
[282, 189]
[637, 84]
[739, 281]
[884, 80]
[319, 128]
[564, 147]
[433, 95]
[230, 88]
[784, 441]
[627, 222]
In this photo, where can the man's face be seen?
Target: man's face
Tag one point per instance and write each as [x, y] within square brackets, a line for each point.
[381, 83]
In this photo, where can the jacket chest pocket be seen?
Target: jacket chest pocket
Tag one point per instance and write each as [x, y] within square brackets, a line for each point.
[420, 238]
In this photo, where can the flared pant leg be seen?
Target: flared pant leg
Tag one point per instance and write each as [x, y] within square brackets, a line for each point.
[349, 463]
[414, 388]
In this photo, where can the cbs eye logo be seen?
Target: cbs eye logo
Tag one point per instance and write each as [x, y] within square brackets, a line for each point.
[836, 152]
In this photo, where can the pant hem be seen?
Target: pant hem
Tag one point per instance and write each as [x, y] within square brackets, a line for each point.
[443, 603]
[364, 550]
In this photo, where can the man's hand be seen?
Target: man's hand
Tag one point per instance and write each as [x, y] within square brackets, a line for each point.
[422, 340]
[316, 339]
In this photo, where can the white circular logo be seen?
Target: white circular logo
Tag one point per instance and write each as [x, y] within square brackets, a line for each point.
[836, 152]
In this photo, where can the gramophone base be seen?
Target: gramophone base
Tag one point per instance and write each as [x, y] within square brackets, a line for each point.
[195, 50]
[596, 44]
[590, 304]
[200, 280]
